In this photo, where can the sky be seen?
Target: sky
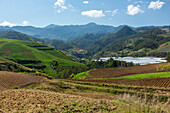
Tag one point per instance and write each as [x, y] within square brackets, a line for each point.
[41, 13]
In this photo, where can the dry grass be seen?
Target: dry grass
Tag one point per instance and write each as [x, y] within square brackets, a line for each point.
[42, 101]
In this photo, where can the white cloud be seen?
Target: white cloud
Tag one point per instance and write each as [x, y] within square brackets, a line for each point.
[5, 23]
[25, 23]
[85, 2]
[114, 12]
[93, 13]
[133, 10]
[60, 5]
[156, 5]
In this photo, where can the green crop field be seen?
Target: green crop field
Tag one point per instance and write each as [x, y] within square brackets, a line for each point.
[146, 75]
[41, 59]
[82, 74]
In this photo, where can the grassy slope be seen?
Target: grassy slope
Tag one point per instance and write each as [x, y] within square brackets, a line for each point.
[147, 75]
[15, 49]
[136, 76]
[13, 66]
[81, 75]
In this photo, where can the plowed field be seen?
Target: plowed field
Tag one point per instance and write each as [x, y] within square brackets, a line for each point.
[10, 79]
[124, 71]
[155, 82]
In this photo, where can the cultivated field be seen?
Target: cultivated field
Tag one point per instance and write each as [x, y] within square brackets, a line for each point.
[43, 101]
[152, 75]
[124, 71]
[10, 79]
[152, 82]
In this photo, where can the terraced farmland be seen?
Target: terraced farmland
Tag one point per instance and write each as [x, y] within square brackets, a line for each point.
[36, 56]
[124, 71]
[153, 82]
[10, 79]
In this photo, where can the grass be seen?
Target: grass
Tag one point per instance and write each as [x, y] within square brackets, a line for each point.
[81, 75]
[145, 76]
[25, 50]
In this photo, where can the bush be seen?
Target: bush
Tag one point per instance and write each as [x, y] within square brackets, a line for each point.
[15, 87]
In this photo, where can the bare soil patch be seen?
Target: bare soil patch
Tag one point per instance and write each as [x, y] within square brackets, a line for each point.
[8, 50]
[3, 42]
[10, 79]
[27, 51]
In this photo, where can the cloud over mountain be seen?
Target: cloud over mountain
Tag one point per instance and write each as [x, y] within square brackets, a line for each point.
[6, 23]
[93, 13]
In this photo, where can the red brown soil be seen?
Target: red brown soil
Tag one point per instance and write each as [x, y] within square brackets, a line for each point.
[2, 42]
[27, 51]
[8, 50]
[10, 79]
[152, 82]
[124, 71]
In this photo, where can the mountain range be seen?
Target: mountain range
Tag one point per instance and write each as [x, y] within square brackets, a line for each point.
[96, 40]
[64, 33]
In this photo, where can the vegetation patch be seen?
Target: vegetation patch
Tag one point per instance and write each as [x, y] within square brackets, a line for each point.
[81, 75]
[39, 57]
[147, 75]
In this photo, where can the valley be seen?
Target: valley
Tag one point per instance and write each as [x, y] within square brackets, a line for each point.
[49, 75]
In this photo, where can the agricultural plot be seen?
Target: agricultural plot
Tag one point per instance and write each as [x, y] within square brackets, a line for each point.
[153, 82]
[124, 71]
[114, 93]
[36, 56]
[50, 102]
[10, 79]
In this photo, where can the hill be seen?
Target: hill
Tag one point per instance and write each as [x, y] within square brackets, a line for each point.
[8, 65]
[39, 57]
[65, 33]
[16, 35]
[134, 44]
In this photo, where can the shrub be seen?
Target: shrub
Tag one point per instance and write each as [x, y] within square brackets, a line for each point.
[15, 87]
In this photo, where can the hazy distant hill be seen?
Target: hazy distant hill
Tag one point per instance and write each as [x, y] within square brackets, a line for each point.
[125, 42]
[65, 33]
[16, 35]
[140, 44]
[95, 42]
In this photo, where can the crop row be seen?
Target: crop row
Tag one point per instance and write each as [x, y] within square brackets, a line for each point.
[155, 82]
[124, 71]
[10, 79]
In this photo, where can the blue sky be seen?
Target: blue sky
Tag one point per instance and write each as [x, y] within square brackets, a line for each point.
[77, 12]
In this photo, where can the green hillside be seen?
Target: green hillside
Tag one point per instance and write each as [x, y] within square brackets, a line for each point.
[16, 35]
[7, 65]
[139, 44]
[38, 56]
